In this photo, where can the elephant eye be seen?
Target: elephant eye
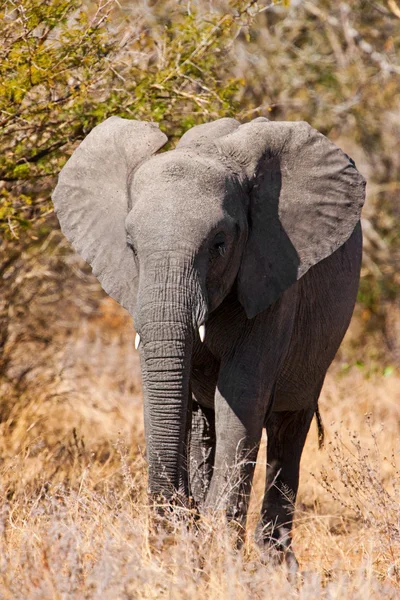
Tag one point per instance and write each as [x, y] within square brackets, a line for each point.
[218, 247]
[130, 245]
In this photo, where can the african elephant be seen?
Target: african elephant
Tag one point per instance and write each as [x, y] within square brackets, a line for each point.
[238, 255]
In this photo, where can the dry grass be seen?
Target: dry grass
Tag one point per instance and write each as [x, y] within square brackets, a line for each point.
[74, 520]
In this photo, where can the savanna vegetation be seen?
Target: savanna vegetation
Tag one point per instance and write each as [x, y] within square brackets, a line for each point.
[74, 520]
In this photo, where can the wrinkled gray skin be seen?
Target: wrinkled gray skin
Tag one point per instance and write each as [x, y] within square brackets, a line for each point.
[252, 230]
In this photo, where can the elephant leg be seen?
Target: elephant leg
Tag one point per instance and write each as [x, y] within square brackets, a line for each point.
[202, 451]
[286, 432]
[238, 433]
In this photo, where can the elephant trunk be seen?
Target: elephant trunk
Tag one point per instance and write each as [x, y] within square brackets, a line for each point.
[166, 374]
[167, 322]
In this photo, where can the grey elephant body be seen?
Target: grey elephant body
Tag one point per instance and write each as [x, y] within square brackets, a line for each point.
[314, 319]
[268, 372]
[253, 233]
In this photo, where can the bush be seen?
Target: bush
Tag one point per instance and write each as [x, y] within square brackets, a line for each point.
[65, 66]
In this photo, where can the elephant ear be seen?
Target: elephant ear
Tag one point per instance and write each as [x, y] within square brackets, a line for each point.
[91, 200]
[201, 134]
[305, 200]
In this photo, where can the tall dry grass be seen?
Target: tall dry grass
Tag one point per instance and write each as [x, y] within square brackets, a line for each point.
[74, 518]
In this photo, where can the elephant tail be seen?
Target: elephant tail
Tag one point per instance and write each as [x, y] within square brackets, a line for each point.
[321, 429]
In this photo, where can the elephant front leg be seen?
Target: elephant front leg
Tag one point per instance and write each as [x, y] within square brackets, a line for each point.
[287, 432]
[238, 434]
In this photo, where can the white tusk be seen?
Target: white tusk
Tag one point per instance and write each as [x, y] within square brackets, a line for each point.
[137, 341]
[202, 332]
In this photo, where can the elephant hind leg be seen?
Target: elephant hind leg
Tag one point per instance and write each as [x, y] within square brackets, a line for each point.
[286, 435]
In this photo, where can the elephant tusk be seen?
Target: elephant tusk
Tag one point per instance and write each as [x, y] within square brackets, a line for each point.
[137, 341]
[202, 332]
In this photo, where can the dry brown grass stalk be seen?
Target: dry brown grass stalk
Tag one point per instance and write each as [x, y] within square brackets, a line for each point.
[75, 521]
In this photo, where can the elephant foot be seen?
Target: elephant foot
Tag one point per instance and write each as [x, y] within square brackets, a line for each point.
[274, 556]
[276, 550]
[170, 512]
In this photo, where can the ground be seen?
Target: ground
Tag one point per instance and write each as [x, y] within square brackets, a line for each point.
[74, 519]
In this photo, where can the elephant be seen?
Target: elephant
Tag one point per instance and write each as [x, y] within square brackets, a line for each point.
[238, 255]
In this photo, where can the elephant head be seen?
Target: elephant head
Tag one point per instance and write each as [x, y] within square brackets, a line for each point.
[243, 208]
